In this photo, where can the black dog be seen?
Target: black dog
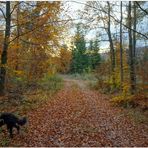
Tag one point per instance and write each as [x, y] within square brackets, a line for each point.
[11, 121]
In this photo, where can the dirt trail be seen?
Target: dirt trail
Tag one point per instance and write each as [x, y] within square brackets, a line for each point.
[78, 116]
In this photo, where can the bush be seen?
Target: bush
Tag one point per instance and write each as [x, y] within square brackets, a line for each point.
[19, 81]
[16, 83]
[122, 101]
[51, 82]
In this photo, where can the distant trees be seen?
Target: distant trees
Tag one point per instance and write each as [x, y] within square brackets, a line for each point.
[79, 59]
[101, 17]
[94, 55]
[84, 59]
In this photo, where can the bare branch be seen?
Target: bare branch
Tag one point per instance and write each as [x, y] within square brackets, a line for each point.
[141, 8]
[3, 13]
[118, 21]
[15, 6]
[2, 2]
[41, 25]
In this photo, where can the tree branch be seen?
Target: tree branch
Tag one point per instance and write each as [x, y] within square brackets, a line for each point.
[141, 8]
[15, 6]
[118, 21]
[41, 25]
[3, 13]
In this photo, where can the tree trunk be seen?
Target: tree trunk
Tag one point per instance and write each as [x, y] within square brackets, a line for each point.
[134, 40]
[131, 59]
[5, 48]
[121, 48]
[18, 34]
[111, 45]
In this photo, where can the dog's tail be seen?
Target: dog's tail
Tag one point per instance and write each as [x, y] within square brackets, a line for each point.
[22, 121]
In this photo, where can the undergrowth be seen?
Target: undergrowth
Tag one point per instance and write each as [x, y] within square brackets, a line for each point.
[33, 96]
[83, 76]
[137, 115]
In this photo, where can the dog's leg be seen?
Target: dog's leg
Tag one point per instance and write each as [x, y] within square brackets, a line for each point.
[9, 128]
[18, 128]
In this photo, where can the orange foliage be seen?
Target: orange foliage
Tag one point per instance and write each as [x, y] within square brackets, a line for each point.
[64, 60]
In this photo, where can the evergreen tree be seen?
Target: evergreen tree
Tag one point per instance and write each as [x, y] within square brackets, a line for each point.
[79, 59]
[84, 59]
[94, 56]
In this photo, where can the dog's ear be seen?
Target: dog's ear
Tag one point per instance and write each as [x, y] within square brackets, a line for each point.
[1, 122]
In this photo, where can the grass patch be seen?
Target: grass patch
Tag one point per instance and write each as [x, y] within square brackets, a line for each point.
[5, 142]
[33, 97]
[34, 100]
[138, 116]
[136, 107]
[74, 86]
[51, 82]
[93, 85]
[83, 76]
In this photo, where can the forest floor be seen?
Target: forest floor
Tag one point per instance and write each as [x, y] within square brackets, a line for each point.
[78, 116]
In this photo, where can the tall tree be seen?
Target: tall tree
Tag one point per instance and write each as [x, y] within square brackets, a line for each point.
[134, 27]
[112, 51]
[18, 34]
[5, 48]
[134, 40]
[121, 47]
[79, 59]
[131, 57]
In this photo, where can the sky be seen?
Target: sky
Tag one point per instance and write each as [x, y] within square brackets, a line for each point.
[74, 7]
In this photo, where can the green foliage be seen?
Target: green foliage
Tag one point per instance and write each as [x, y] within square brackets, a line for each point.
[84, 59]
[19, 81]
[5, 142]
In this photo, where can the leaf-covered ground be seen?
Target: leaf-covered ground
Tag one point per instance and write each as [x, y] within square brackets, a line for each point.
[77, 116]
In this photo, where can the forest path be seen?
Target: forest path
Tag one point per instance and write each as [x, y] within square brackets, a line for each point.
[77, 116]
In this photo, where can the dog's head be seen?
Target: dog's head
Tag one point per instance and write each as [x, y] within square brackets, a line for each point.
[1, 122]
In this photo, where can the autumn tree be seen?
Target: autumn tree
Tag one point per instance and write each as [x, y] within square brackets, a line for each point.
[64, 60]
[35, 35]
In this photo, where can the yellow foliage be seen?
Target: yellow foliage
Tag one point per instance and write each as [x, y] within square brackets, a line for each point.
[121, 100]
[19, 72]
[125, 67]
[64, 60]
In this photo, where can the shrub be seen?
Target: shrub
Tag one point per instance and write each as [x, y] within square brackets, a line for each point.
[122, 101]
[51, 82]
